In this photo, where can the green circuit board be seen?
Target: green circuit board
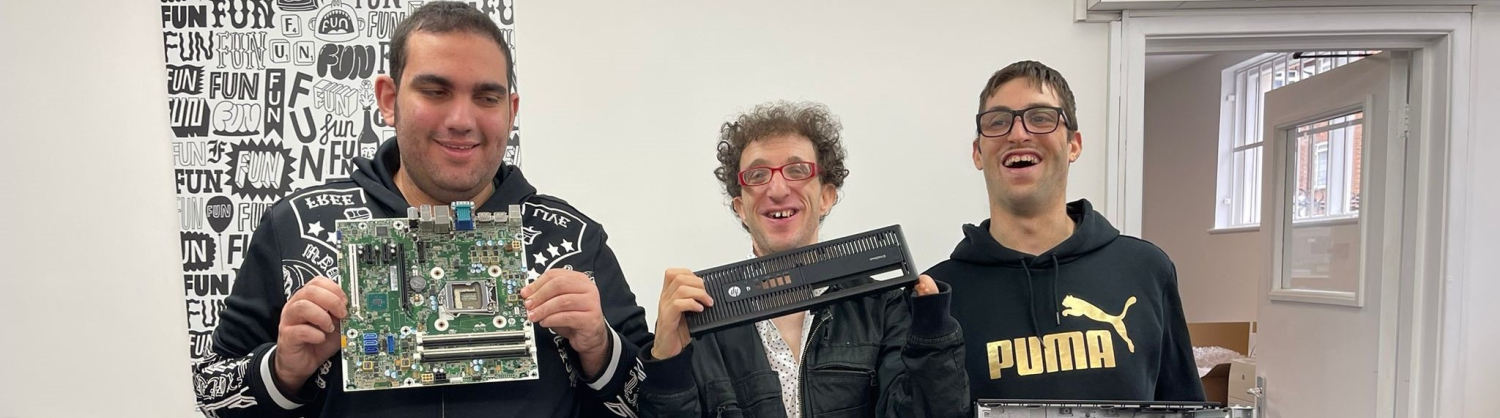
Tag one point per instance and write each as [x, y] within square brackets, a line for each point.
[434, 299]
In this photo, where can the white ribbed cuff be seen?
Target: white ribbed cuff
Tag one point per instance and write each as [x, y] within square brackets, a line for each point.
[614, 362]
[270, 380]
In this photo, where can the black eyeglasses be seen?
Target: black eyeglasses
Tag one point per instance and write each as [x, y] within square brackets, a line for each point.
[1037, 120]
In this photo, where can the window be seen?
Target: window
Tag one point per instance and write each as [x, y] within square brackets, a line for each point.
[1322, 246]
[1320, 161]
[1241, 131]
[1327, 183]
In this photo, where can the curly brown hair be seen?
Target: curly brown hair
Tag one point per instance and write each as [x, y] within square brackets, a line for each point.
[810, 119]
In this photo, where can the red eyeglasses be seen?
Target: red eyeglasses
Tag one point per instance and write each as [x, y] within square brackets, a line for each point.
[801, 170]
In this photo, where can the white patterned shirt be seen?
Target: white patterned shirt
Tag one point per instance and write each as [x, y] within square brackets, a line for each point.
[787, 367]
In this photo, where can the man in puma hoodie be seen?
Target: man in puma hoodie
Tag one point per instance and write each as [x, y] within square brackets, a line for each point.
[1054, 302]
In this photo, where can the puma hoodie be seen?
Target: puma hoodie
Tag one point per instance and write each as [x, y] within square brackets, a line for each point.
[1097, 317]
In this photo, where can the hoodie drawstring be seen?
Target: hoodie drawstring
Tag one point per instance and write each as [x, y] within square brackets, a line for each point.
[1031, 298]
[1056, 270]
[1031, 294]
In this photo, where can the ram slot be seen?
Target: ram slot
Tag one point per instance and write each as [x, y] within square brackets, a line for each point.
[401, 278]
[469, 353]
[354, 277]
[481, 338]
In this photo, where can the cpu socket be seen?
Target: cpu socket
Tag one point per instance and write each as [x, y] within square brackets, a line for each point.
[475, 297]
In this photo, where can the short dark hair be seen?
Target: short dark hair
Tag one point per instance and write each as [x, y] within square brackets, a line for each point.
[1035, 72]
[810, 119]
[447, 17]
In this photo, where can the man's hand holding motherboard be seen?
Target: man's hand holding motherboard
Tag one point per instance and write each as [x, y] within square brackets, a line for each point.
[309, 332]
[567, 302]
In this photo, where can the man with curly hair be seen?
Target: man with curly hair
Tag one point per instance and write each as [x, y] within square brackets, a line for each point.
[896, 354]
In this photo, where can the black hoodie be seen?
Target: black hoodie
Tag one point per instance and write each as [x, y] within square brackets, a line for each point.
[294, 243]
[1095, 318]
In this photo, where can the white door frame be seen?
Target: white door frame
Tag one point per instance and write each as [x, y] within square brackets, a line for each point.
[1441, 82]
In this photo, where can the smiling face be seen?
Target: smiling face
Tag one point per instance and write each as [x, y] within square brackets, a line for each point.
[782, 215]
[1026, 173]
[453, 113]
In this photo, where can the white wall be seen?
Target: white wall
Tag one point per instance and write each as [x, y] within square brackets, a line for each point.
[92, 293]
[1217, 273]
[1470, 369]
[621, 105]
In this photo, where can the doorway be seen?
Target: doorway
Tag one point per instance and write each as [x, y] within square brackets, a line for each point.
[1352, 317]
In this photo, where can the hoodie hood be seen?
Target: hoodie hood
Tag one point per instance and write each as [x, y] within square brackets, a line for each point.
[1091, 233]
[378, 177]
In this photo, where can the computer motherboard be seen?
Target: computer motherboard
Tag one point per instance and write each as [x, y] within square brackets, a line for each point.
[434, 299]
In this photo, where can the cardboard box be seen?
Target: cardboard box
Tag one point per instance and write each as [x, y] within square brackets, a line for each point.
[1231, 335]
[1216, 385]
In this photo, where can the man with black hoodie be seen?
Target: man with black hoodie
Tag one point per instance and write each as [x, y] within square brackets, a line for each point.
[1056, 304]
[450, 96]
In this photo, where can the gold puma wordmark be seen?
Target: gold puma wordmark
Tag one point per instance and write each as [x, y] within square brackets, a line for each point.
[1064, 351]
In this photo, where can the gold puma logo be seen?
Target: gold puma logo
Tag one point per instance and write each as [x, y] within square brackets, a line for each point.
[1080, 307]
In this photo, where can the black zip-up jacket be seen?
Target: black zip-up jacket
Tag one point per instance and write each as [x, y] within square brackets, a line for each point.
[294, 243]
[884, 355]
[1097, 317]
